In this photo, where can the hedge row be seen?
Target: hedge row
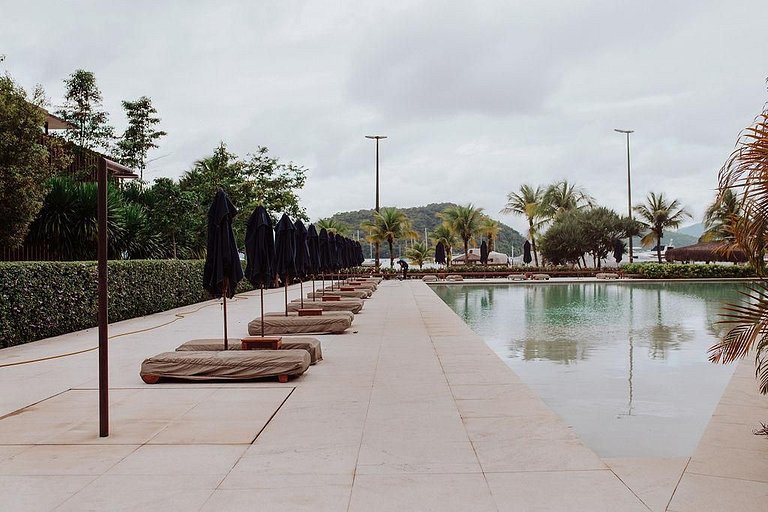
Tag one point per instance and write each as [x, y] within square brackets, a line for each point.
[690, 271]
[44, 299]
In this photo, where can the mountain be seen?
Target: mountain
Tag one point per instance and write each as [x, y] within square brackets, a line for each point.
[694, 230]
[509, 241]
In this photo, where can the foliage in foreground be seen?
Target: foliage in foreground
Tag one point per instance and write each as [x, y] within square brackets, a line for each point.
[44, 299]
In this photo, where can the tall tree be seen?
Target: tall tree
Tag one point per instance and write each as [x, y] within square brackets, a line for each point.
[489, 228]
[83, 109]
[388, 225]
[721, 217]
[745, 171]
[658, 214]
[418, 253]
[445, 235]
[564, 196]
[24, 161]
[464, 220]
[332, 225]
[171, 211]
[141, 134]
[529, 203]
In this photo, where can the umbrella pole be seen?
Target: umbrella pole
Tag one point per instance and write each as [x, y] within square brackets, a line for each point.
[286, 295]
[262, 310]
[301, 291]
[224, 295]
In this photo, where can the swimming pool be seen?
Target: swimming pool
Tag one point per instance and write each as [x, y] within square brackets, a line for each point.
[624, 363]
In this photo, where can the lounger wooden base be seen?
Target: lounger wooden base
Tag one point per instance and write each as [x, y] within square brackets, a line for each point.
[225, 365]
[311, 345]
[349, 304]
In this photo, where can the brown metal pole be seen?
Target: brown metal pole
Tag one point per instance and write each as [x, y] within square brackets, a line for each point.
[224, 295]
[103, 306]
[286, 295]
[262, 311]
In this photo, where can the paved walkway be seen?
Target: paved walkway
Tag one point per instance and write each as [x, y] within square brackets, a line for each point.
[409, 411]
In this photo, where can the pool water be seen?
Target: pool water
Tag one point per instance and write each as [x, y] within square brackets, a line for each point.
[624, 363]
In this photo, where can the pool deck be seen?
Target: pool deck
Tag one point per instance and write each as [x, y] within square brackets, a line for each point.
[410, 410]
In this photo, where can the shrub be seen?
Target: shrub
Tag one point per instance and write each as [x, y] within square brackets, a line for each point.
[689, 271]
[44, 299]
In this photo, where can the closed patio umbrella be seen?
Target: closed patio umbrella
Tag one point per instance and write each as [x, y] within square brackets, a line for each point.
[618, 250]
[325, 254]
[285, 253]
[527, 252]
[313, 244]
[484, 253]
[222, 270]
[440, 253]
[302, 256]
[260, 253]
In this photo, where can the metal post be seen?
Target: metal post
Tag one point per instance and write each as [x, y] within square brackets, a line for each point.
[629, 189]
[224, 296]
[377, 138]
[103, 309]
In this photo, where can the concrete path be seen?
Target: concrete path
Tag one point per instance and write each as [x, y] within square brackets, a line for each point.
[410, 410]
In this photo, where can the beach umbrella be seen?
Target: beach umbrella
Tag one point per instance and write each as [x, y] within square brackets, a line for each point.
[440, 253]
[302, 256]
[527, 252]
[484, 253]
[360, 255]
[260, 253]
[313, 244]
[335, 258]
[285, 253]
[325, 253]
[618, 250]
[222, 270]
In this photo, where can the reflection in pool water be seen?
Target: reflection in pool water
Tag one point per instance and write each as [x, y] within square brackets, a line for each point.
[624, 363]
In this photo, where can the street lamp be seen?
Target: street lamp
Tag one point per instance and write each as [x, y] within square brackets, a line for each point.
[377, 138]
[629, 189]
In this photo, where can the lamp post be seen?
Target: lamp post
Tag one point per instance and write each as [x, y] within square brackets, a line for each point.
[629, 189]
[377, 138]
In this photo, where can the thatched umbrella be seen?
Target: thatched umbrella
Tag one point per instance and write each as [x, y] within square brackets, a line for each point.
[707, 251]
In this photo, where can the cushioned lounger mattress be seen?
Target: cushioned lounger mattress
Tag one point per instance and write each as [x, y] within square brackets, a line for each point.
[226, 364]
[280, 324]
[357, 294]
[311, 345]
[295, 314]
[346, 304]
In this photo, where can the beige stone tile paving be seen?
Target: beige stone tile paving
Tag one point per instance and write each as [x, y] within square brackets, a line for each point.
[410, 410]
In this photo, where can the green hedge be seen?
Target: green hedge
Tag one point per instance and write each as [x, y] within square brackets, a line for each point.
[44, 299]
[690, 271]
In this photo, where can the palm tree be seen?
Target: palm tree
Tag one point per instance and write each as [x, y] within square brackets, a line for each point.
[464, 221]
[746, 170]
[418, 253]
[490, 229]
[721, 217]
[658, 214]
[528, 202]
[388, 225]
[563, 196]
[332, 225]
[443, 233]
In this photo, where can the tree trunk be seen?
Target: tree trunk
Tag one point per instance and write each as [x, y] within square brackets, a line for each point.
[173, 244]
[391, 253]
[658, 247]
[466, 251]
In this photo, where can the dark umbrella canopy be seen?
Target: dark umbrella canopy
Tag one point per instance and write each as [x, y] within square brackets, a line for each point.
[360, 256]
[260, 249]
[618, 250]
[334, 259]
[527, 252]
[440, 253]
[483, 253]
[313, 245]
[222, 260]
[285, 249]
[302, 250]
[325, 251]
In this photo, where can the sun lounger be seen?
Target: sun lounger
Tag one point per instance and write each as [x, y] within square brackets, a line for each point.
[606, 275]
[225, 365]
[429, 278]
[516, 277]
[454, 277]
[311, 345]
[540, 277]
[283, 325]
[348, 304]
[345, 314]
[362, 284]
[358, 294]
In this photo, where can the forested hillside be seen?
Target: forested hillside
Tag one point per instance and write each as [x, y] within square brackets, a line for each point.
[510, 241]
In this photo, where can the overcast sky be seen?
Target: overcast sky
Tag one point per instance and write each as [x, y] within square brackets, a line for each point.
[475, 99]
